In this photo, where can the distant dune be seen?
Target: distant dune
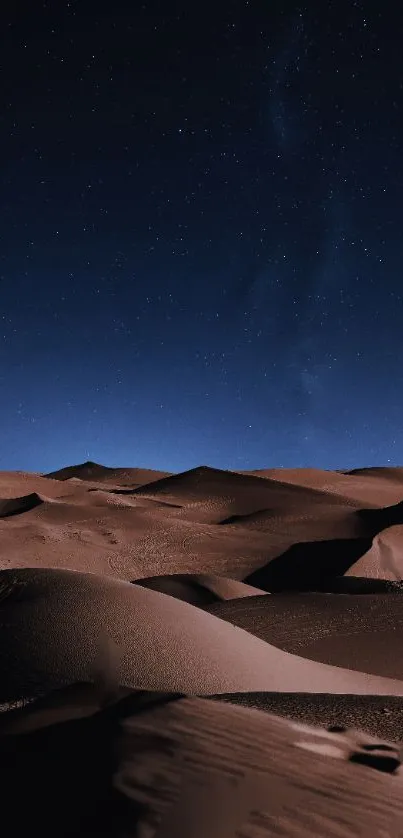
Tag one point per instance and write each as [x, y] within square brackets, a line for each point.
[357, 484]
[138, 608]
[355, 631]
[95, 472]
[394, 473]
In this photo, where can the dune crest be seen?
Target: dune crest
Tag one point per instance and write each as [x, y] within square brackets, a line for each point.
[16, 506]
[49, 618]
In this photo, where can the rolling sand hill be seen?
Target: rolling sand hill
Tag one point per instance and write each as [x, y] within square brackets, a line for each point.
[50, 620]
[165, 631]
[359, 632]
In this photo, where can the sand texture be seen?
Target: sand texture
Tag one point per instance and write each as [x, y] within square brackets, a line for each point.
[211, 654]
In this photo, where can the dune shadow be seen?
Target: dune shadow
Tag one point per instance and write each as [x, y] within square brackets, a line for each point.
[180, 586]
[306, 565]
[358, 585]
[16, 506]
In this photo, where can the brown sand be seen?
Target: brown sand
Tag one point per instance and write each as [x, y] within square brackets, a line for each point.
[205, 550]
[229, 525]
[377, 715]
[359, 632]
[358, 484]
[384, 559]
[96, 473]
[187, 768]
[51, 619]
[199, 589]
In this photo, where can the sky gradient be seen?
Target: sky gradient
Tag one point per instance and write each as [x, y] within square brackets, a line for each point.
[201, 234]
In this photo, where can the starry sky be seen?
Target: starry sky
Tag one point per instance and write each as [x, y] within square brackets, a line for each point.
[201, 241]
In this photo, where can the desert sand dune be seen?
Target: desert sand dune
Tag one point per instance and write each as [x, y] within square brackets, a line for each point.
[247, 491]
[304, 525]
[332, 520]
[384, 559]
[199, 589]
[191, 767]
[14, 484]
[360, 632]
[130, 533]
[389, 473]
[95, 472]
[128, 539]
[50, 620]
[357, 485]
[169, 573]
[16, 506]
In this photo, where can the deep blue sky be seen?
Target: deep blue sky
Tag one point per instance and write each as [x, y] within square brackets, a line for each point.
[201, 240]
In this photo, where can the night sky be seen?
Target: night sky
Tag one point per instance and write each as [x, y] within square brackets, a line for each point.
[201, 234]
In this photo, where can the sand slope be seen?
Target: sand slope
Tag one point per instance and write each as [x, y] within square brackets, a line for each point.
[97, 473]
[199, 589]
[16, 506]
[244, 490]
[362, 632]
[197, 768]
[51, 620]
[204, 521]
[124, 592]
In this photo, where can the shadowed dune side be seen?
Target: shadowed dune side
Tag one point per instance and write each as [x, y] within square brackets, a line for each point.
[170, 766]
[50, 619]
[198, 589]
[362, 632]
[381, 518]
[373, 549]
[16, 506]
[64, 763]
[358, 585]
[308, 564]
